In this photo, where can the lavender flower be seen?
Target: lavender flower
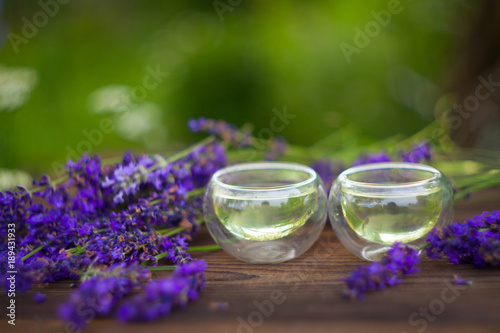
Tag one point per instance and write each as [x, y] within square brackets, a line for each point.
[420, 152]
[85, 174]
[13, 207]
[400, 260]
[278, 147]
[328, 170]
[457, 280]
[226, 131]
[372, 158]
[39, 297]
[97, 296]
[161, 296]
[22, 280]
[238, 137]
[476, 241]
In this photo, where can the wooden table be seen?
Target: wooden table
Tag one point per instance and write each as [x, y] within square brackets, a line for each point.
[304, 295]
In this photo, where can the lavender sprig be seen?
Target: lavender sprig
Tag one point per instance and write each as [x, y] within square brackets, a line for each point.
[227, 132]
[400, 260]
[476, 241]
[107, 213]
[239, 137]
[100, 292]
[161, 296]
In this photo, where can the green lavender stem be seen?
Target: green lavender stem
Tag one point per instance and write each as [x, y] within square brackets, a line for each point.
[205, 248]
[38, 249]
[173, 231]
[422, 247]
[196, 192]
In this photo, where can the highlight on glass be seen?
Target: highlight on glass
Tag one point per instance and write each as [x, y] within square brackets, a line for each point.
[375, 205]
[266, 212]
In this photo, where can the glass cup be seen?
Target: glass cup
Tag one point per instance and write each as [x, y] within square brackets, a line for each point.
[265, 212]
[375, 205]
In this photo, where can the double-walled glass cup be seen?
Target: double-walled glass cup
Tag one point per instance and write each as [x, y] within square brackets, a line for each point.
[375, 205]
[265, 212]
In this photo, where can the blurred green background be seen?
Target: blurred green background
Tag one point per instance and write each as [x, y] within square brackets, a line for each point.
[228, 59]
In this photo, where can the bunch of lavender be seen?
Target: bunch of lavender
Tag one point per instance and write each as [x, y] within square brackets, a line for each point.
[476, 241]
[104, 219]
[103, 214]
[400, 260]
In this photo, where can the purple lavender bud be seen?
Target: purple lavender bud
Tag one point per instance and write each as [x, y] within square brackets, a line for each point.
[278, 147]
[39, 297]
[457, 280]
[328, 170]
[420, 152]
[372, 158]
[225, 131]
[399, 260]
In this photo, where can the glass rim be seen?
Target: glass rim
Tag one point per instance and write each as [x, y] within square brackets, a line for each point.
[435, 174]
[256, 166]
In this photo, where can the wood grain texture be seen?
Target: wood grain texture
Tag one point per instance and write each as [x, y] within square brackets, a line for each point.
[304, 295]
